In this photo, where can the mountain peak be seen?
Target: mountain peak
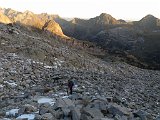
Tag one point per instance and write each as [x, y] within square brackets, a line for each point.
[149, 16]
[104, 15]
[149, 22]
[28, 12]
[75, 20]
[105, 19]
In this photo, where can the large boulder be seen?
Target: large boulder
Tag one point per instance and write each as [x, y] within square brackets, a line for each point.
[76, 114]
[115, 109]
[63, 103]
[26, 109]
[44, 108]
[158, 118]
[92, 112]
[141, 114]
[48, 116]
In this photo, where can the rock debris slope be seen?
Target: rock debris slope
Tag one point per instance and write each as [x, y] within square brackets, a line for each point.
[35, 67]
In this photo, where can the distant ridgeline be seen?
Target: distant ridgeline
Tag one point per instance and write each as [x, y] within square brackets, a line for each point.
[139, 39]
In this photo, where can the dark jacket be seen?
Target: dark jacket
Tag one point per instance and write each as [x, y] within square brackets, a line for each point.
[70, 84]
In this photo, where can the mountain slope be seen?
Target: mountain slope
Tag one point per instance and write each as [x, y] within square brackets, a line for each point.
[103, 19]
[85, 29]
[53, 27]
[149, 22]
[36, 66]
[117, 36]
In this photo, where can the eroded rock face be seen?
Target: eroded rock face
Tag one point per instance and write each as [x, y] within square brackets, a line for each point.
[4, 19]
[32, 20]
[53, 27]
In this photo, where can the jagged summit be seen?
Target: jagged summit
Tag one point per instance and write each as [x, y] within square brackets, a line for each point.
[27, 12]
[52, 24]
[149, 16]
[74, 20]
[104, 19]
[122, 21]
[104, 15]
[78, 21]
[48, 16]
[149, 22]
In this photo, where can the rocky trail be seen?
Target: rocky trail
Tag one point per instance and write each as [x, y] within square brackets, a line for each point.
[32, 90]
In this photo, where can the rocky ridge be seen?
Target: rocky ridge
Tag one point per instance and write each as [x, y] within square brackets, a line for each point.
[115, 36]
[149, 22]
[120, 37]
[33, 20]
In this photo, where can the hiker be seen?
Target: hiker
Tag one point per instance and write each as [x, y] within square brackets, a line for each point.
[70, 86]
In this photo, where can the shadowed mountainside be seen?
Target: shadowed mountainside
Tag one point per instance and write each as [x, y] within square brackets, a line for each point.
[118, 36]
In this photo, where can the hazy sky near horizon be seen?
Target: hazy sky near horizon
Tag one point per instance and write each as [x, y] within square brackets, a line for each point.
[120, 9]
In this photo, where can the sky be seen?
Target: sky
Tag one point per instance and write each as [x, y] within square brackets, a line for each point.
[120, 9]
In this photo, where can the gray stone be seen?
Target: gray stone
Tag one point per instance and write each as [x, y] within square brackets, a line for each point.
[76, 114]
[43, 111]
[117, 99]
[44, 108]
[106, 119]
[38, 117]
[76, 97]
[48, 116]
[3, 104]
[27, 109]
[2, 113]
[100, 105]
[158, 118]
[118, 117]
[85, 117]
[63, 103]
[22, 119]
[66, 111]
[141, 114]
[45, 105]
[115, 109]
[93, 112]
[59, 114]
